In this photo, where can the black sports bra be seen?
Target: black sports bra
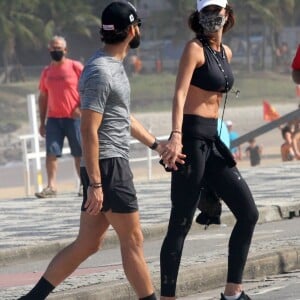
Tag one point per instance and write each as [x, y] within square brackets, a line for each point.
[210, 76]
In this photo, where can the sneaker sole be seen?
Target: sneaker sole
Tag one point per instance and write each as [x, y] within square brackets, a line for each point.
[44, 196]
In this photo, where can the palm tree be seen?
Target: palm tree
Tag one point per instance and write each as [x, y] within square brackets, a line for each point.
[18, 26]
[67, 16]
[26, 24]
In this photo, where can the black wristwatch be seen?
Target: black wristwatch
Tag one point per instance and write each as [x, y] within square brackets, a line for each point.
[154, 145]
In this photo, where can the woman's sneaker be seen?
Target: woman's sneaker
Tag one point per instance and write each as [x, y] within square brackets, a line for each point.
[47, 192]
[242, 297]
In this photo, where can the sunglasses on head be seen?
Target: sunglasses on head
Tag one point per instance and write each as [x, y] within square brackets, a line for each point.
[138, 22]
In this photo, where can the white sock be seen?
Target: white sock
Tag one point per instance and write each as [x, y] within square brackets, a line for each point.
[235, 297]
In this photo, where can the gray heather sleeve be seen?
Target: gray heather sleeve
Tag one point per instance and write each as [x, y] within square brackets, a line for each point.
[94, 88]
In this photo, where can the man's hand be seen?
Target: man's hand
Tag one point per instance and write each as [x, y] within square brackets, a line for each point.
[42, 130]
[76, 114]
[94, 201]
[172, 152]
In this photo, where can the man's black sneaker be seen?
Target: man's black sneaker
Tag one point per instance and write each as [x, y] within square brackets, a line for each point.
[242, 297]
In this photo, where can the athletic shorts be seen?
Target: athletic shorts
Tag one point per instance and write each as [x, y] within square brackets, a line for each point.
[56, 131]
[117, 185]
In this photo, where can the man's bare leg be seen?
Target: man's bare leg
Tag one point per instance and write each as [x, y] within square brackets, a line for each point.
[51, 167]
[91, 234]
[130, 235]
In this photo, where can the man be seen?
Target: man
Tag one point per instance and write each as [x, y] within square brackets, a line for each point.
[59, 107]
[236, 151]
[296, 67]
[109, 195]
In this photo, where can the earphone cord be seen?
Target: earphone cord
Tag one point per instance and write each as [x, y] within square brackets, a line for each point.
[223, 112]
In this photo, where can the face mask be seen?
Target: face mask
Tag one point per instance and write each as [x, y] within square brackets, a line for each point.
[211, 22]
[135, 42]
[57, 55]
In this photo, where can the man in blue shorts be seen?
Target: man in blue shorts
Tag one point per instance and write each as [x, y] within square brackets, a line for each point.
[106, 126]
[59, 107]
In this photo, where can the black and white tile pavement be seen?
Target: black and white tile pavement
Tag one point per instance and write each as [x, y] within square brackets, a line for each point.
[30, 222]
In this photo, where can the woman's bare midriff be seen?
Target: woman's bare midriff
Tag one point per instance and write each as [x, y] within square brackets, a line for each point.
[202, 103]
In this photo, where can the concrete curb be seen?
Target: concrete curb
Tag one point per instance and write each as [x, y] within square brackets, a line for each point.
[196, 278]
[266, 214]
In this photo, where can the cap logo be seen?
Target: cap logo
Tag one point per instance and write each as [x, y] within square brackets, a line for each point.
[131, 18]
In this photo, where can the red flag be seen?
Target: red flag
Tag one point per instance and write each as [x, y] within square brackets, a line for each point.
[270, 113]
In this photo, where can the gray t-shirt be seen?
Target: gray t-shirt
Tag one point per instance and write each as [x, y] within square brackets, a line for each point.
[104, 88]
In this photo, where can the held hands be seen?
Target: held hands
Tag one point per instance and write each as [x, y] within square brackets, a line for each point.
[94, 200]
[172, 152]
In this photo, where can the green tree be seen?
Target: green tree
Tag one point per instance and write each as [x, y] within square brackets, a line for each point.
[181, 9]
[65, 16]
[19, 26]
[26, 24]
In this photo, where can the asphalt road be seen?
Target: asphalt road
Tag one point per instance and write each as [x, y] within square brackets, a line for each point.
[212, 241]
[284, 286]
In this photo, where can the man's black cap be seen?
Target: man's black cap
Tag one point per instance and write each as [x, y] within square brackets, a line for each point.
[118, 16]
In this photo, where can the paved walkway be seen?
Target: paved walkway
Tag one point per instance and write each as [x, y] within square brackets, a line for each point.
[37, 227]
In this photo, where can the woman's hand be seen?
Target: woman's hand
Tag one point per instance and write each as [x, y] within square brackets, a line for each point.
[172, 152]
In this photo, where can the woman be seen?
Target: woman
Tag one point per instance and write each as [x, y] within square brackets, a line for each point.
[204, 76]
[286, 149]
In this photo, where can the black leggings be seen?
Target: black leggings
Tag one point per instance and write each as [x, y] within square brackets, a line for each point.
[205, 162]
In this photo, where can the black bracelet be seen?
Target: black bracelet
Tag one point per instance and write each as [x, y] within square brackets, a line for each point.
[154, 145]
[96, 185]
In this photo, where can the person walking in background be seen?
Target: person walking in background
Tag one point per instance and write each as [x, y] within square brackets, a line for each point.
[233, 135]
[253, 152]
[204, 76]
[106, 124]
[283, 57]
[59, 108]
[296, 67]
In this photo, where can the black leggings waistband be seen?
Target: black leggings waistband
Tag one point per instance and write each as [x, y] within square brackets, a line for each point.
[199, 127]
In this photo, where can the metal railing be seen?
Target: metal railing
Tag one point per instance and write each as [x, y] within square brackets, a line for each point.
[31, 152]
[37, 156]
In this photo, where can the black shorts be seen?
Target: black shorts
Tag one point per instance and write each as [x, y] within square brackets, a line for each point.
[117, 184]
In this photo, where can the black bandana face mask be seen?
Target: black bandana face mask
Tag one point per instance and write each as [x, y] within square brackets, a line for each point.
[57, 55]
[135, 42]
[211, 22]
